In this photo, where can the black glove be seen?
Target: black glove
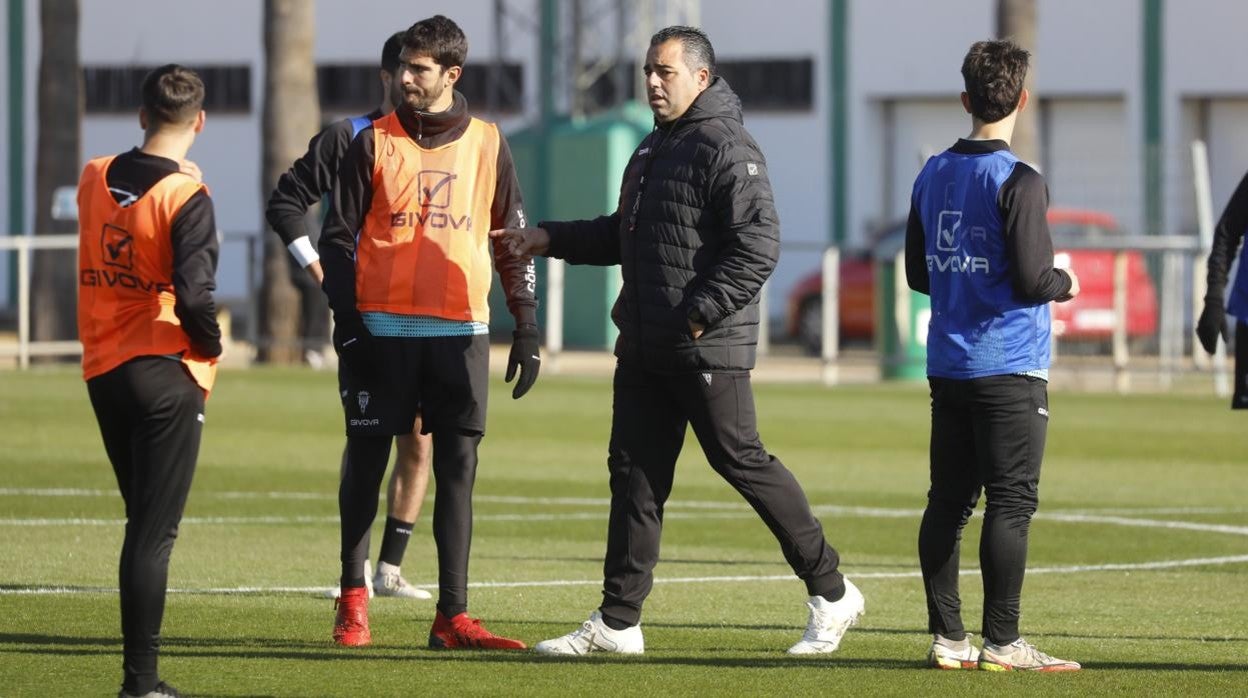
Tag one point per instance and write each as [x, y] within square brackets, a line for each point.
[526, 356]
[1212, 323]
[354, 344]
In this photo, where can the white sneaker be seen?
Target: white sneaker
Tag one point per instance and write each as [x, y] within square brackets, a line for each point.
[336, 590]
[389, 582]
[595, 636]
[953, 654]
[1021, 655]
[829, 621]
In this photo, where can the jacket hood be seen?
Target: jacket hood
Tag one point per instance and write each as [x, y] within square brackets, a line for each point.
[717, 101]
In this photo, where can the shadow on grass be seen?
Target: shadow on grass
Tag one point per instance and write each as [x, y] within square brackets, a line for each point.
[597, 560]
[773, 660]
[327, 653]
[28, 639]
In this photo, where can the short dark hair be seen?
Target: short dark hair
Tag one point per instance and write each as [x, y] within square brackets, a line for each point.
[172, 94]
[390, 52]
[698, 50]
[439, 38]
[994, 72]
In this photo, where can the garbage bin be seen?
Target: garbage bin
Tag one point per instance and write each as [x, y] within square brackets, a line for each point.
[587, 160]
[902, 316]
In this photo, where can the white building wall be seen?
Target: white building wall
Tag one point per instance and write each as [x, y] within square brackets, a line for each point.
[794, 143]
[903, 85]
[903, 92]
[1205, 58]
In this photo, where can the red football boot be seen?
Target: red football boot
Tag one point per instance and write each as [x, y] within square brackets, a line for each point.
[462, 632]
[351, 622]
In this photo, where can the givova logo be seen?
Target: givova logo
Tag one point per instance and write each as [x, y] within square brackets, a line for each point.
[435, 195]
[117, 247]
[949, 236]
[948, 227]
[435, 188]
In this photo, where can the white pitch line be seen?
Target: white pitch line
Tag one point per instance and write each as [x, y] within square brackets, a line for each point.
[912, 574]
[606, 501]
[1143, 523]
[869, 512]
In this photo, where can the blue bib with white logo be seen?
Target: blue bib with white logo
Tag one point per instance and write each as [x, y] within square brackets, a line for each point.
[979, 326]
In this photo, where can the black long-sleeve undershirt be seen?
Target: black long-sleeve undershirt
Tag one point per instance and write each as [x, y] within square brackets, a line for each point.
[1227, 237]
[308, 180]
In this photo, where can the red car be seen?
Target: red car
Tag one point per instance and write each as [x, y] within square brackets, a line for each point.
[1089, 317]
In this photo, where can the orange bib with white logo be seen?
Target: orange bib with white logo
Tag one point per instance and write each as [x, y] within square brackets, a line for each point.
[125, 275]
[424, 248]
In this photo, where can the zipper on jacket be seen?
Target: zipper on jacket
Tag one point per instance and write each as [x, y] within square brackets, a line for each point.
[632, 229]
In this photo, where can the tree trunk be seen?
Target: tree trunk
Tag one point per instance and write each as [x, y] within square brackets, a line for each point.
[57, 163]
[291, 117]
[1016, 21]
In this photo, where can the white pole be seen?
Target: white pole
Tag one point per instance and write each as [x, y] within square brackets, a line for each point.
[1204, 217]
[23, 301]
[831, 316]
[554, 311]
[1170, 332]
[1122, 379]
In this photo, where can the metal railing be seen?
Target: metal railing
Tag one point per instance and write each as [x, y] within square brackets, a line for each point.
[1178, 252]
[23, 245]
[1181, 274]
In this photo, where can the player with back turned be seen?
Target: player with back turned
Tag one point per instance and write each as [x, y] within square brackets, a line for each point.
[978, 243]
[147, 257]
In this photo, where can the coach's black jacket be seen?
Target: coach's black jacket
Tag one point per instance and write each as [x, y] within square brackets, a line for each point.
[695, 228]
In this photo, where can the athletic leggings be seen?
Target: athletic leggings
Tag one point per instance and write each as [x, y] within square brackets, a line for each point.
[454, 471]
[151, 415]
[988, 435]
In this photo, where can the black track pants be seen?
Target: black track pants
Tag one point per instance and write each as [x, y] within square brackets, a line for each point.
[650, 415]
[151, 415]
[988, 435]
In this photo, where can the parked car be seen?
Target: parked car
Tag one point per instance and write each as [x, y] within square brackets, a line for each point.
[1089, 317]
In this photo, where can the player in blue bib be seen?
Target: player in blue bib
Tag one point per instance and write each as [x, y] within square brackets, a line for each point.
[978, 243]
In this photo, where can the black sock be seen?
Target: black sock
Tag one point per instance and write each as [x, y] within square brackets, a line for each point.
[615, 623]
[956, 637]
[836, 594]
[449, 611]
[353, 583]
[394, 541]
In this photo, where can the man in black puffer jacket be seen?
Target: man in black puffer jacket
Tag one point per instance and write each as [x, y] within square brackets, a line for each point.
[695, 233]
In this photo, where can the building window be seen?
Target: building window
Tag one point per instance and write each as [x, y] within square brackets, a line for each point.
[763, 84]
[354, 87]
[774, 84]
[118, 89]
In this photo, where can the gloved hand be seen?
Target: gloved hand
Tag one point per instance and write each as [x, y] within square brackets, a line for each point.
[526, 356]
[1212, 323]
[354, 344]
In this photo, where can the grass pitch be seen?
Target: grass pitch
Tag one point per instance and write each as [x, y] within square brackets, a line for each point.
[1138, 562]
